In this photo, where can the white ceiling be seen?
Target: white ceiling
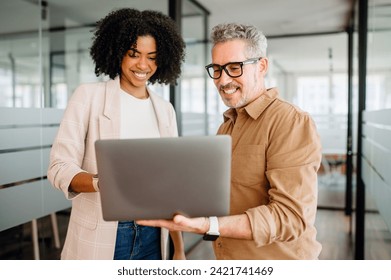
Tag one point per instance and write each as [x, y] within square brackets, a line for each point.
[283, 17]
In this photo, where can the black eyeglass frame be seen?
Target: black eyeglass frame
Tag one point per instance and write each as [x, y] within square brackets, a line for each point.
[224, 67]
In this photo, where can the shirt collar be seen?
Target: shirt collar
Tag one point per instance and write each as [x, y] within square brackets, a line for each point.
[256, 107]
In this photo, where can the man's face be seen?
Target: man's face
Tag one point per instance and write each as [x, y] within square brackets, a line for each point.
[240, 91]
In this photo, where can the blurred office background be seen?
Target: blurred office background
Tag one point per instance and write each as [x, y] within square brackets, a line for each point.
[331, 58]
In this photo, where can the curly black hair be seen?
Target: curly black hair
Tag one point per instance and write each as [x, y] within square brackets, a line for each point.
[118, 31]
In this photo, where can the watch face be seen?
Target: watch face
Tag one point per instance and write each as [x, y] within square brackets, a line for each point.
[209, 237]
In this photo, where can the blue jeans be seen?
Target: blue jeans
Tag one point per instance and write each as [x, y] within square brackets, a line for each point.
[135, 242]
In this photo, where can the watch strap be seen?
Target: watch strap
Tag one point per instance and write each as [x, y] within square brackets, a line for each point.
[95, 183]
[213, 233]
[213, 225]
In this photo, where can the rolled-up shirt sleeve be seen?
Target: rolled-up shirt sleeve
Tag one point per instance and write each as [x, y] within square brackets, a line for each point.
[293, 156]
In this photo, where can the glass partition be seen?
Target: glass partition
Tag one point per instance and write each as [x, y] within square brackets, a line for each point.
[20, 52]
[193, 81]
[375, 146]
[379, 56]
[311, 72]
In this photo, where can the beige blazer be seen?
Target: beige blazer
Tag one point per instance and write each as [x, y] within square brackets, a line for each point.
[93, 112]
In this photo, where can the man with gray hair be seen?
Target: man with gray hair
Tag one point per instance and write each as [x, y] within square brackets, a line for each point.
[276, 153]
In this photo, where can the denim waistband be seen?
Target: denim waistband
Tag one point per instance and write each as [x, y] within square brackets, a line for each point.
[122, 224]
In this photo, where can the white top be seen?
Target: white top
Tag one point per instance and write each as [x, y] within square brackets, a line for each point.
[138, 118]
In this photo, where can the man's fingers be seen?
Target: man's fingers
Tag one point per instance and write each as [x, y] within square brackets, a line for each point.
[179, 223]
[151, 223]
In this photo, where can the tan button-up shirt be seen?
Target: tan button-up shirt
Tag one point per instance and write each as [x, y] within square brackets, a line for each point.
[276, 154]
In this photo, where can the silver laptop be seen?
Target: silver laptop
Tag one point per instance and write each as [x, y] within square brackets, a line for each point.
[156, 178]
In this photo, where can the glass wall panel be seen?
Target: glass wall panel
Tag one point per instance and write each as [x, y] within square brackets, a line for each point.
[379, 56]
[311, 72]
[378, 97]
[193, 83]
[20, 54]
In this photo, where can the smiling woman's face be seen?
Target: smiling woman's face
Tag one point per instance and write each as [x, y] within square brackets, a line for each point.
[139, 64]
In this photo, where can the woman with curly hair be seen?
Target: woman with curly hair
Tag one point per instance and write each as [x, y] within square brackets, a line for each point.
[133, 48]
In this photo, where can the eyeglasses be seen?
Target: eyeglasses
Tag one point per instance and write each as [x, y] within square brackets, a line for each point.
[232, 69]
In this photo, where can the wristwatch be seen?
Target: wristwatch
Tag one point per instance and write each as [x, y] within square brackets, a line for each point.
[213, 233]
[95, 182]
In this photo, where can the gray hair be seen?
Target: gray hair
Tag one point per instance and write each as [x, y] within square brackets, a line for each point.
[256, 41]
